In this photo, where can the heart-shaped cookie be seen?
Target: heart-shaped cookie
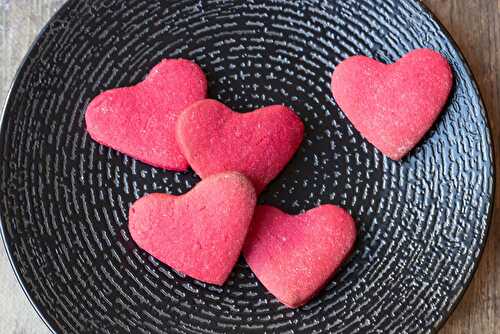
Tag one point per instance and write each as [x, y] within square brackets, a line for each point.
[200, 233]
[295, 256]
[258, 144]
[140, 120]
[393, 106]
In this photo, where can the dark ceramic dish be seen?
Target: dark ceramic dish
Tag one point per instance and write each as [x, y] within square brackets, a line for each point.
[64, 199]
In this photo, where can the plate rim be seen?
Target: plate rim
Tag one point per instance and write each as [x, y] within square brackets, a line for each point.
[439, 325]
[436, 327]
[8, 97]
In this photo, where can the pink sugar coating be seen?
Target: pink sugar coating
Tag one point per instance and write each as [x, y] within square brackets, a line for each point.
[258, 144]
[295, 256]
[393, 106]
[140, 120]
[201, 233]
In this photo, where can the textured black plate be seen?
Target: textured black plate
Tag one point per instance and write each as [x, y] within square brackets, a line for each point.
[64, 199]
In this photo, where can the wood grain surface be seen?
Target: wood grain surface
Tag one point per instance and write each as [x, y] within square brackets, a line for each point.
[474, 24]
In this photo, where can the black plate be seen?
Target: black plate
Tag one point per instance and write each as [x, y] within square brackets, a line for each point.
[64, 199]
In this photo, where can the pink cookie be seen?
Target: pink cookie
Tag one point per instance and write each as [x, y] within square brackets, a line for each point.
[295, 256]
[200, 233]
[259, 144]
[140, 120]
[393, 106]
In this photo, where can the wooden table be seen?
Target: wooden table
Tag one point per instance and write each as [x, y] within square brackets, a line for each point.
[474, 24]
